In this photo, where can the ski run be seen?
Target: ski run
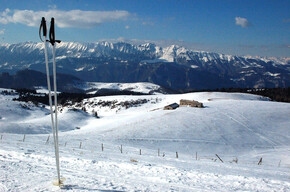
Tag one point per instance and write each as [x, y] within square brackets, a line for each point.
[141, 147]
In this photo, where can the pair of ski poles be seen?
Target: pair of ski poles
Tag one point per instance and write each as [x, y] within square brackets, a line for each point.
[54, 121]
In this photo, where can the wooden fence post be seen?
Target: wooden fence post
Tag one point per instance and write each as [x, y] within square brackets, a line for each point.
[236, 160]
[260, 161]
[47, 140]
[102, 147]
[23, 138]
[219, 158]
[140, 152]
[121, 149]
[158, 152]
[176, 155]
[80, 145]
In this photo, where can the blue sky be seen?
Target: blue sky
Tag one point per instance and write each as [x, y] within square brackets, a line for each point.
[239, 27]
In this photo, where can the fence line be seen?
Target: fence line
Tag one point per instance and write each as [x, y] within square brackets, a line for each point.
[82, 147]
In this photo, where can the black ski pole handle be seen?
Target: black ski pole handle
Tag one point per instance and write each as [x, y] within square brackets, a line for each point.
[43, 27]
[52, 33]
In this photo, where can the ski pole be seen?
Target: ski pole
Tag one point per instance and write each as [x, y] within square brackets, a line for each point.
[53, 41]
[44, 29]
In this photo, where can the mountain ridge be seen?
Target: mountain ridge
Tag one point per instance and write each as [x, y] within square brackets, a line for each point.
[173, 67]
[128, 47]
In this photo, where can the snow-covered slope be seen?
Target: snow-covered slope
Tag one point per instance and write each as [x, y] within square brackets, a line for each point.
[27, 118]
[144, 87]
[230, 122]
[102, 88]
[235, 126]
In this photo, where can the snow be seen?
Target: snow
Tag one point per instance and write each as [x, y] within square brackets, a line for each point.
[61, 57]
[80, 69]
[205, 59]
[26, 118]
[144, 87]
[93, 87]
[41, 89]
[272, 74]
[194, 66]
[232, 125]
[153, 53]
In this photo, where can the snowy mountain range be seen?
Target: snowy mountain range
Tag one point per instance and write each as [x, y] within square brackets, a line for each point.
[173, 67]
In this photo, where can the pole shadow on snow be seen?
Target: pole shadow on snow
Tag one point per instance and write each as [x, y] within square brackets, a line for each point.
[76, 187]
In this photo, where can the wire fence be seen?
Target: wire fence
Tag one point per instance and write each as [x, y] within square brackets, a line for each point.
[90, 148]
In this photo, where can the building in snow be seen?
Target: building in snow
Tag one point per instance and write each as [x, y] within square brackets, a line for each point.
[171, 106]
[191, 103]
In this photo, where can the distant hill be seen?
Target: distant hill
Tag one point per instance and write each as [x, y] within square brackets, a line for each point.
[34, 80]
[29, 79]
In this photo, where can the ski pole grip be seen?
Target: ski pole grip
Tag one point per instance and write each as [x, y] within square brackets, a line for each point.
[43, 25]
[52, 32]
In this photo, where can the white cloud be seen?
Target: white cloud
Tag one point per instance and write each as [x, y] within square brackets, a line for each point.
[2, 31]
[72, 18]
[4, 17]
[243, 22]
[127, 27]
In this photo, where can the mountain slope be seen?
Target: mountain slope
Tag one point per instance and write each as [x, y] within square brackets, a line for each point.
[173, 67]
[229, 120]
[240, 128]
[30, 79]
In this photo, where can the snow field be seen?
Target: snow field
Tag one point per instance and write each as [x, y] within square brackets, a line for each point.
[241, 126]
[89, 169]
[136, 87]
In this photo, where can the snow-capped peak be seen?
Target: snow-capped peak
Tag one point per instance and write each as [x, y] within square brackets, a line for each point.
[149, 51]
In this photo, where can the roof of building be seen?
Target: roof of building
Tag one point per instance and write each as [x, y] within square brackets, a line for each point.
[173, 105]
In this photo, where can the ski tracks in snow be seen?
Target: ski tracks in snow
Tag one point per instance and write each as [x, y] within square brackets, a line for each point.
[242, 120]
